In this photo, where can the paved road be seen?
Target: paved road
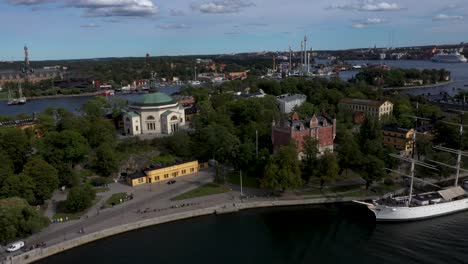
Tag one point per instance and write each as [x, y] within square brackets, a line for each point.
[157, 195]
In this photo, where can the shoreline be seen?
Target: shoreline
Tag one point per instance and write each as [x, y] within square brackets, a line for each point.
[57, 96]
[418, 87]
[41, 253]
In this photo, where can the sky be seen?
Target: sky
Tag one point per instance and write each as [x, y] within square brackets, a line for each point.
[74, 29]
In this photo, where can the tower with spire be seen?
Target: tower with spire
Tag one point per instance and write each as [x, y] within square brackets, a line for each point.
[26, 67]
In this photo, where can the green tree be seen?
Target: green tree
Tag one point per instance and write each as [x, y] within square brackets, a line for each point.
[94, 108]
[106, 161]
[310, 162]
[349, 154]
[178, 144]
[328, 169]
[44, 176]
[15, 143]
[6, 166]
[66, 146]
[283, 171]
[372, 169]
[101, 131]
[64, 150]
[19, 186]
[80, 198]
[18, 219]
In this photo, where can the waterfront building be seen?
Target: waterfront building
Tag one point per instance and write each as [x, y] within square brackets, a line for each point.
[157, 173]
[400, 139]
[370, 108]
[34, 77]
[321, 128]
[30, 74]
[288, 102]
[155, 113]
[237, 75]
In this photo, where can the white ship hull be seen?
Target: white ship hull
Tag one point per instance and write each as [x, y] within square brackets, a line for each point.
[397, 213]
[449, 58]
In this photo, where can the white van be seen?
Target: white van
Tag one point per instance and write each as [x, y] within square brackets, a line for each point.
[15, 246]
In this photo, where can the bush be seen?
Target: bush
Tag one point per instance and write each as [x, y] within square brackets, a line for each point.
[388, 181]
[99, 181]
[80, 198]
[18, 219]
[164, 159]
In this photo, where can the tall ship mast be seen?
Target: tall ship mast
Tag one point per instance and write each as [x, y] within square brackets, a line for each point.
[424, 205]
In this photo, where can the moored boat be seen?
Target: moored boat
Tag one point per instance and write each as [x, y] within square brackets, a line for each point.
[424, 205]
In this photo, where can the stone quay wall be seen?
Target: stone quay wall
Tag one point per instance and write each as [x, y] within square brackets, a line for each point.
[40, 253]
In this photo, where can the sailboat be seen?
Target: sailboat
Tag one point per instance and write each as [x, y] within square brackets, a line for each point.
[425, 205]
[16, 101]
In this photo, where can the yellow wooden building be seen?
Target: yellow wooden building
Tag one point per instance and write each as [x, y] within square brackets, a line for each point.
[400, 139]
[161, 173]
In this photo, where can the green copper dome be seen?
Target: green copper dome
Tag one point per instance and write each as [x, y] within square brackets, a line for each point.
[153, 99]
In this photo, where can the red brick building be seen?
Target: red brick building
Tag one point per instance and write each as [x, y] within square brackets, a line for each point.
[320, 128]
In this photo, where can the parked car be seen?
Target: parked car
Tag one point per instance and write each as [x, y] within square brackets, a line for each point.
[15, 246]
[171, 182]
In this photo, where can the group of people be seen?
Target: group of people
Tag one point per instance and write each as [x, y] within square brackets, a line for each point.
[38, 245]
[148, 210]
[59, 220]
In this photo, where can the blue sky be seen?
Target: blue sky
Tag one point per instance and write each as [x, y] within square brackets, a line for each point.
[67, 29]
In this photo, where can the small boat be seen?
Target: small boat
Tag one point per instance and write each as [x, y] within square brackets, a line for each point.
[16, 101]
[108, 93]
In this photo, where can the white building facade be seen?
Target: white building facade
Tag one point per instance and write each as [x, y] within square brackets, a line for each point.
[155, 113]
[287, 102]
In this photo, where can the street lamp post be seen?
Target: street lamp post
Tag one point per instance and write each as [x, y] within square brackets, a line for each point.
[256, 142]
[240, 175]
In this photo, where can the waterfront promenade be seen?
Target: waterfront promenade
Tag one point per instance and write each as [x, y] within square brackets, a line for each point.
[441, 84]
[153, 205]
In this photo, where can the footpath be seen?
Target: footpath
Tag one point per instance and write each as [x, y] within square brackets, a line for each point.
[153, 204]
[216, 204]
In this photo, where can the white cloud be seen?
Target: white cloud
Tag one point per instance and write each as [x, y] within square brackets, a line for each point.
[173, 26]
[116, 8]
[368, 22]
[223, 6]
[368, 5]
[445, 17]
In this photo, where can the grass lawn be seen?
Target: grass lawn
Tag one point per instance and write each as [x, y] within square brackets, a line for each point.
[114, 199]
[204, 190]
[246, 180]
[360, 193]
[3, 95]
[345, 188]
[101, 189]
[61, 211]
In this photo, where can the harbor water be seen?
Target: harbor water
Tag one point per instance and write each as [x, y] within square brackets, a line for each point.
[459, 75]
[340, 233]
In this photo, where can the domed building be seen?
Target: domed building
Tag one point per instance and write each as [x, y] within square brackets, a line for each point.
[155, 113]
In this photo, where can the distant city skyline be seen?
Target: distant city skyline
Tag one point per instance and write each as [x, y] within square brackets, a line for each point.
[77, 29]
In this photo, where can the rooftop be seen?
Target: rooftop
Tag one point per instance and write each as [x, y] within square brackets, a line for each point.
[291, 97]
[153, 99]
[363, 101]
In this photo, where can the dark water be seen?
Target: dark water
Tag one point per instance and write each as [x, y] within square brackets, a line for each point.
[73, 104]
[321, 234]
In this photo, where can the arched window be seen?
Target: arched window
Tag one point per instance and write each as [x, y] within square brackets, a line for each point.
[150, 118]
[174, 118]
